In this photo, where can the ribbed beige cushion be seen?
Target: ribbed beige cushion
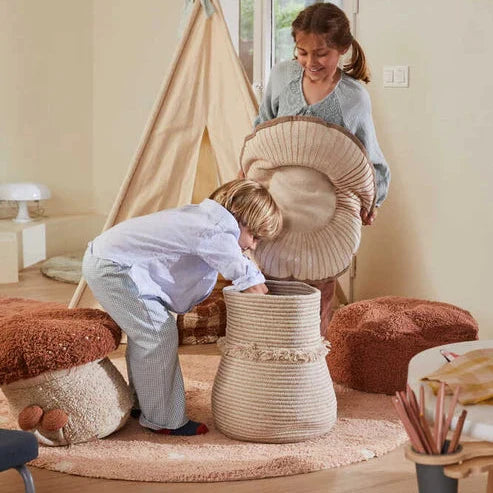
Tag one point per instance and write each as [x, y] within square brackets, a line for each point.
[320, 176]
[273, 384]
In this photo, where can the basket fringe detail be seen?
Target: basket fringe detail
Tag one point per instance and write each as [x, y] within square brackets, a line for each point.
[253, 352]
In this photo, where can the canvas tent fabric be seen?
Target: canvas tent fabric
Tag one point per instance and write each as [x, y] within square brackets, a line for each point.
[192, 141]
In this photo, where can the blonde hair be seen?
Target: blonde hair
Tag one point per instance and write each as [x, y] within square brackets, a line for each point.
[330, 22]
[252, 205]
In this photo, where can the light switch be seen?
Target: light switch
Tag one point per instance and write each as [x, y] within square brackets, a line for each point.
[388, 75]
[396, 76]
[400, 75]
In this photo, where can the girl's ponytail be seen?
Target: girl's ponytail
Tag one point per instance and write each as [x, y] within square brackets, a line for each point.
[357, 67]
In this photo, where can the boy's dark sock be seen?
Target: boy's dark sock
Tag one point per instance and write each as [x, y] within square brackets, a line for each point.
[190, 428]
[135, 412]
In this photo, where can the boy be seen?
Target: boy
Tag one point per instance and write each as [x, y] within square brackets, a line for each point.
[145, 267]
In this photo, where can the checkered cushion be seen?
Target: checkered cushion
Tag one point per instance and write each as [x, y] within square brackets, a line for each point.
[206, 322]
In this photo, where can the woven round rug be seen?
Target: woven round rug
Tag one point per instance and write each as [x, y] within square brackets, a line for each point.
[366, 427]
[65, 268]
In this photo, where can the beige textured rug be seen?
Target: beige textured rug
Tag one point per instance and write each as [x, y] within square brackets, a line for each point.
[366, 428]
[65, 268]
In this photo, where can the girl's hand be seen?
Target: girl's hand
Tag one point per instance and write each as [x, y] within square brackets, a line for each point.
[257, 289]
[366, 217]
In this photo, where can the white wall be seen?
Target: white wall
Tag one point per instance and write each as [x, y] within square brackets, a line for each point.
[77, 84]
[79, 79]
[46, 98]
[134, 43]
[434, 234]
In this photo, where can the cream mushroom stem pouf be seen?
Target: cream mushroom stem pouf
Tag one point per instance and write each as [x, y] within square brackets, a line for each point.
[273, 384]
[320, 176]
[57, 378]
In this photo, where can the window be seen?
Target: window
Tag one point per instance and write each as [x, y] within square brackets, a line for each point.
[284, 13]
[261, 33]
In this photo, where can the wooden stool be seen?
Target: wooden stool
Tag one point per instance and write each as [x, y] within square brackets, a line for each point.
[472, 458]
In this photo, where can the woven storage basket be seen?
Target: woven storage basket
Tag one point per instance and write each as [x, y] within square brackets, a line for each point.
[273, 384]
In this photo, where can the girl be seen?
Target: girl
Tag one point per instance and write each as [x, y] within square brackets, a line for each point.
[313, 84]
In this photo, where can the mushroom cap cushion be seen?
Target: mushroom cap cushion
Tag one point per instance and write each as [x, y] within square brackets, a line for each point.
[53, 339]
[56, 376]
[320, 176]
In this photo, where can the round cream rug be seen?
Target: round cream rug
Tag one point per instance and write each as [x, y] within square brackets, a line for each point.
[367, 427]
[65, 268]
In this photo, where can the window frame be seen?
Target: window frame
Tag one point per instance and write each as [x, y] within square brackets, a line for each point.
[263, 39]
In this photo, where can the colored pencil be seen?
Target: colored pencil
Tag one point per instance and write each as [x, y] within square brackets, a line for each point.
[412, 416]
[454, 441]
[421, 399]
[427, 431]
[411, 397]
[450, 414]
[413, 436]
[438, 426]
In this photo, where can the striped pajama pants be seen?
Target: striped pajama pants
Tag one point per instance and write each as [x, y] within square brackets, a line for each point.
[152, 342]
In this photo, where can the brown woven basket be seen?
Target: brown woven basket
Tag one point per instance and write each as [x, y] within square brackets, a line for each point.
[273, 384]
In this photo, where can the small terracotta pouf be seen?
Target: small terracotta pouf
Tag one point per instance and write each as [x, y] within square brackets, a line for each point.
[373, 340]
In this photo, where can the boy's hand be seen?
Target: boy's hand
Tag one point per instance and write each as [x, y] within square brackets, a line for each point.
[257, 289]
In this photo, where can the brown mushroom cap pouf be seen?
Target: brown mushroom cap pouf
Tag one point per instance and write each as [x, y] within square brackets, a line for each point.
[55, 374]
[373, 340]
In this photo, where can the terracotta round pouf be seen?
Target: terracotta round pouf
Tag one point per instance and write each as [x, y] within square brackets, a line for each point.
[373, 340]
[272, 384]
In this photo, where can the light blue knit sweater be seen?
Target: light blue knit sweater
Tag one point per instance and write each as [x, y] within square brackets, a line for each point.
[348, 105]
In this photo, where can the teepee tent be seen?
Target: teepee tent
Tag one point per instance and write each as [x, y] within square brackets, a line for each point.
[194, 136]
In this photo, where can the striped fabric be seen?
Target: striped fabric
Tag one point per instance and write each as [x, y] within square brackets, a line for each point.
[473, 372]
[320, 176]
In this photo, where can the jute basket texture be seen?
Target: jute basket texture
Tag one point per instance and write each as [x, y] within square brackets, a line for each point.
[320, 176]
[273, 384]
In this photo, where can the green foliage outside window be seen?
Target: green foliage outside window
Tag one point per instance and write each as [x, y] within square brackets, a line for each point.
[284, 12]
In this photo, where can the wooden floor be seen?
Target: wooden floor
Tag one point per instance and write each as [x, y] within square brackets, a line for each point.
[389, 474]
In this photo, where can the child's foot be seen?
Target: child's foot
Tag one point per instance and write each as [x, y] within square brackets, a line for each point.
[188, 429]
[135, 412]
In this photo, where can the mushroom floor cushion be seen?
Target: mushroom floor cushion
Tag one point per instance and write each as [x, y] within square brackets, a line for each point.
[320, 176]
[372, 341]
[55, 373]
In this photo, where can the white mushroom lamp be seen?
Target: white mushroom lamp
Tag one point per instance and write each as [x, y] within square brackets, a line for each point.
[22, 193]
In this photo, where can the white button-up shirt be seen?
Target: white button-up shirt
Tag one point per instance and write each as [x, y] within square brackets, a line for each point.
[175, 254]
